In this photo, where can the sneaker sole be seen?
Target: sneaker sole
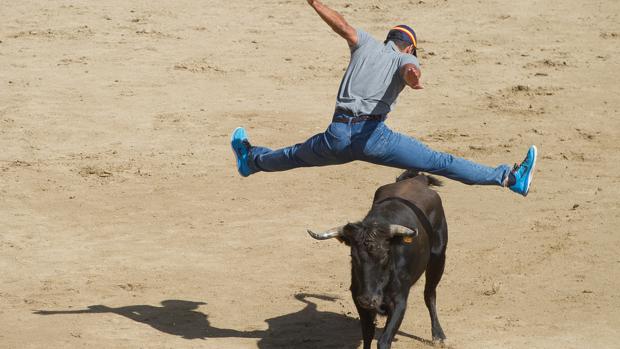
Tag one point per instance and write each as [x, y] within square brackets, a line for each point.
[232, 139]
[529, 175]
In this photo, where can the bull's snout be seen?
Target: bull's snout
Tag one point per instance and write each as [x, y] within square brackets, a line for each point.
[369, 302]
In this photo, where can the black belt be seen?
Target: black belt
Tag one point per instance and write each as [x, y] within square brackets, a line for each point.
[346, 118]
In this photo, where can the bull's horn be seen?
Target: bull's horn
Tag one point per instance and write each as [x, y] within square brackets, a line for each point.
[331, 233]
[399, 230]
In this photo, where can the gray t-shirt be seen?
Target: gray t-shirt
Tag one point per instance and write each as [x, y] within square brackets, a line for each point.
[372, 81]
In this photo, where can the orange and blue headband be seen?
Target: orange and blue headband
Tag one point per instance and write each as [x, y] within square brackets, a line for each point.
[403, 33]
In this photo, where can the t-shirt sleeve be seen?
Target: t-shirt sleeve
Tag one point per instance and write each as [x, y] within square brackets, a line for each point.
[408, 59]
[362, 39]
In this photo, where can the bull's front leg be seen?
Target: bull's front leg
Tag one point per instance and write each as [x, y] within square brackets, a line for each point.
[395, 317]
[367, 321]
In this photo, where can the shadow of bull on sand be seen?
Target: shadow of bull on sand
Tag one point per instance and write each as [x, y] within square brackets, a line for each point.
[308, 328]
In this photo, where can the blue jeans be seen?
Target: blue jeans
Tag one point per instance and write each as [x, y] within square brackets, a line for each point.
[374, 142]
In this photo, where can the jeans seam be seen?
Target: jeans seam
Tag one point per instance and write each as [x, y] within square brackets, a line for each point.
[350, 140]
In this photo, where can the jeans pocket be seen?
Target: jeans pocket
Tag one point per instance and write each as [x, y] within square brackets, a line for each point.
[338, 130]
[338, 137]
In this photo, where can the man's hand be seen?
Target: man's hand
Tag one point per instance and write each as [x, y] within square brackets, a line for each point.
[335, 21]
[412, 74]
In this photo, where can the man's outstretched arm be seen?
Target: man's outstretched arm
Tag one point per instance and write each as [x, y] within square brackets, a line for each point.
[335, 21]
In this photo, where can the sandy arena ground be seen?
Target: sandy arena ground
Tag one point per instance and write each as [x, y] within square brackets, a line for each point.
[124, 224]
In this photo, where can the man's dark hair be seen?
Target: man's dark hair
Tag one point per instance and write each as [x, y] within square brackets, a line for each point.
[401, 44]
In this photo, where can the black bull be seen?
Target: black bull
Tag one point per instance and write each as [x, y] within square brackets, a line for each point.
[404, 234]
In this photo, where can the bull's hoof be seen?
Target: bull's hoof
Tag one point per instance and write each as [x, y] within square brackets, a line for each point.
[440, 342]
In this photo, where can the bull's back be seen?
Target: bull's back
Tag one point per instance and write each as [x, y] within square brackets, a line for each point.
[415, 190]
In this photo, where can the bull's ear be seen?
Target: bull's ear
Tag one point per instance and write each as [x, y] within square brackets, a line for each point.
[344, 240]
[348, 231]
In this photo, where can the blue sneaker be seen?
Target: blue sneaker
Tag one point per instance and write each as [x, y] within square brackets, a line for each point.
[241, 147]
[522, 174]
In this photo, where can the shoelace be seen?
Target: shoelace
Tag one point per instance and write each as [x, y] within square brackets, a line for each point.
[247, 144]
[523, 164]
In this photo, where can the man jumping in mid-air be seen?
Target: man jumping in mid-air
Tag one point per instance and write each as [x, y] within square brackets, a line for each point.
[377, 73]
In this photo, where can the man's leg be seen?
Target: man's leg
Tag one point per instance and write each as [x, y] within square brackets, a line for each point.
[316, 151]
[329, 148]
[398, 150]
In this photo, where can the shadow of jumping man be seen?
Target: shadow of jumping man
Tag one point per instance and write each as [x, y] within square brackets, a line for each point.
[175, 317]
[307, 328]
